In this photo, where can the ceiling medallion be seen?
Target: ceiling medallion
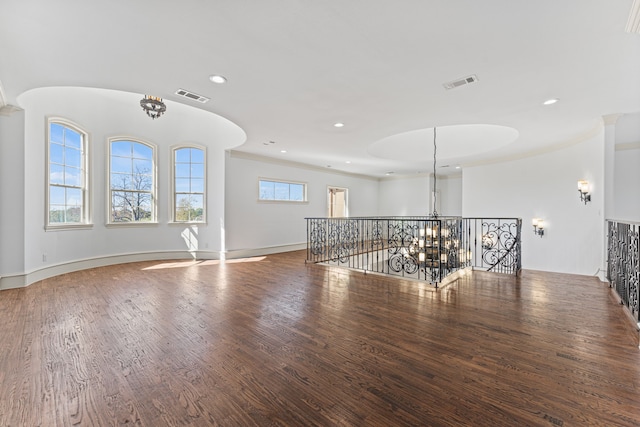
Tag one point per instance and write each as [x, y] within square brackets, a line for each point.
[153, 106]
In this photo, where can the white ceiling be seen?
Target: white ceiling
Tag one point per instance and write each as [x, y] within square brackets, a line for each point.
[296, 67]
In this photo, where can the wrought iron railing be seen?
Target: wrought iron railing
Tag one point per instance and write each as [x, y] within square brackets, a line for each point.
[422, 248]
[623, 267]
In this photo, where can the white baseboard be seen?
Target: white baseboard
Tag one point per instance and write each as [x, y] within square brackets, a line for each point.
[247, 253]
[13, 281]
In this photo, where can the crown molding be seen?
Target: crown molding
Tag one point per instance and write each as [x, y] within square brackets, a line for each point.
[628, 146]
[611, 119]
[7, 110]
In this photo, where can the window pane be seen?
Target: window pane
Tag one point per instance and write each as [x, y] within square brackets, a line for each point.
[197, 155]
[197, 185]
[142, 166]
[142, 151]
[74, 197]
[74, 214]
[281, 191]
[197, 207]
[142, 182]
[197, 170]
[56, 195]
[56, 133]
[72, 177]
[72, 138]
[182, 185]
[182, 170]
[56, 214]
[267, 190]
[142, 207]
[121, 164]
[56, 175]
[56, 153]
[72, 157]
[197, 201]
[120, 210]
[121, 181]
[121, 148]
[296, 192]
[182, 155]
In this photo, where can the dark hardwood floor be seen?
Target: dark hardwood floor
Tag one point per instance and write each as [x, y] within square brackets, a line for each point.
[272, 341]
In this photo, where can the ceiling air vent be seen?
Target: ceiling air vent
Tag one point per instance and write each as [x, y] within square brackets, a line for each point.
[461, 82]
[192, 95]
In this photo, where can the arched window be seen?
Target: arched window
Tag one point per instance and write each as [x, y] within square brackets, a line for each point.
[67, 176]
[188, 184]
[132, 182]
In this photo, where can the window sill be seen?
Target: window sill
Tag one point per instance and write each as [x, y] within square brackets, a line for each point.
[66, 227]
[288, 202]
[187, 223]
[131, 224]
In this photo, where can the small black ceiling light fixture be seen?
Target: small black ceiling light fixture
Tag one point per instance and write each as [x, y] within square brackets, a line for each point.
[153, 106]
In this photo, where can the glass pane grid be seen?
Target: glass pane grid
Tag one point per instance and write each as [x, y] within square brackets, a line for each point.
[189, 185]
[281, 191]
[66, 175]
[131, 182]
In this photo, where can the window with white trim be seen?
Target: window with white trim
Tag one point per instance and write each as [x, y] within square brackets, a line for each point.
[189, 178]
[132, 182]
[281, 191]
[67, 175]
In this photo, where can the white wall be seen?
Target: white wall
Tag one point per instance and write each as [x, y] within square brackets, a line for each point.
[626, 172]
[12, 194]
[251, 224]
[401, 196]
[450, 195]
[103, 114]
[545, 186]
[627, 185]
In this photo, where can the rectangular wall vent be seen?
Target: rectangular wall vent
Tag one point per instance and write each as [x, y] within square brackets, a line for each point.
[192, 95]
[461, 82]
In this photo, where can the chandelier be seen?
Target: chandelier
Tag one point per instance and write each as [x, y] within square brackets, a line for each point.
[153, 106]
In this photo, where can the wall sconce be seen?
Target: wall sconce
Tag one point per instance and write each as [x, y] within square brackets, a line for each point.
[583, 189]
[538, 226]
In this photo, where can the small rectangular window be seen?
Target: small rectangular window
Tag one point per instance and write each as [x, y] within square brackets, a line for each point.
[282, 191]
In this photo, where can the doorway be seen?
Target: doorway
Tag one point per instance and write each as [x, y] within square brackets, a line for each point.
[337, 202]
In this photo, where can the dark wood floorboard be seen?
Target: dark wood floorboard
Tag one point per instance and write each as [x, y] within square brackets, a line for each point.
[275, 342]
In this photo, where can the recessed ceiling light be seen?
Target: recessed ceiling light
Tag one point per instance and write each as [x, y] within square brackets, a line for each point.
[550, 101]
[217, 79]
[457, 167]
[348, 161]
[283, 151]
[338, 125]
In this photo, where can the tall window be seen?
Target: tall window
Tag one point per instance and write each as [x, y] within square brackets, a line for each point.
[132, 182]
[188, 184]
[282, 191]
[67, 178]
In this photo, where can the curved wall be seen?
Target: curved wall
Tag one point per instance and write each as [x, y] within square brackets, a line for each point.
[103, 114]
